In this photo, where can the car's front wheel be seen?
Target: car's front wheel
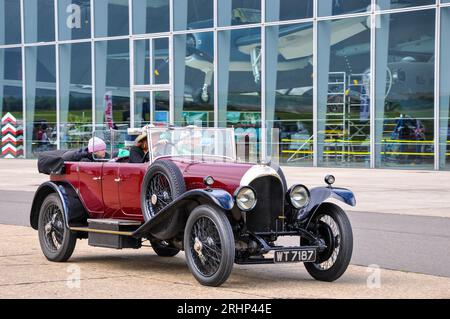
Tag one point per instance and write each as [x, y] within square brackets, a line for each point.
[332, 226]
[209, 245]
[56, 240]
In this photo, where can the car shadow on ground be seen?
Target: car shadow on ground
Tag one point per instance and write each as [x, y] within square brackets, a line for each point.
[175, 267]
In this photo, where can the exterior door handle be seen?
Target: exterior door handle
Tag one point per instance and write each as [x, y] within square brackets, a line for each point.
[97, 178]
[118, 180]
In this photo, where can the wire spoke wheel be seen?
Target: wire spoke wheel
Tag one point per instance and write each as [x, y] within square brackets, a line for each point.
[163, 183]
[56, 240]
[159, 193]
[209, 245]
[206, 246]
[54, 227]
[332, 227]
[328, 231]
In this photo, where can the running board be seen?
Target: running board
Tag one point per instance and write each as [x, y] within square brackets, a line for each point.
[111, 233]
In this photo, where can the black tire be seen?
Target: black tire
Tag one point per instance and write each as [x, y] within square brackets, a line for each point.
[56, 240]
[217, 235]
[340, 248]
[162, 249]
[169, 183]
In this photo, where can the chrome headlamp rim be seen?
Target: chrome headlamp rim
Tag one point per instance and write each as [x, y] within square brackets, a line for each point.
[236, 200]
[292, 202]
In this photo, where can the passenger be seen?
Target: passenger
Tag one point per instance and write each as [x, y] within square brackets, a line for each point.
[96, 150]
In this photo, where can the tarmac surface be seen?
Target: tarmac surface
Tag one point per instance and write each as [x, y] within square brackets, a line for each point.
[386, 235]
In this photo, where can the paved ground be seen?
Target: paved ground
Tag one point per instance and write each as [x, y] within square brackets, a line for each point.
[401, 242]
[385, 234]
[104, 273]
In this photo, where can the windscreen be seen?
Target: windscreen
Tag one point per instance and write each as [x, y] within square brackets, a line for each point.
[195, 143]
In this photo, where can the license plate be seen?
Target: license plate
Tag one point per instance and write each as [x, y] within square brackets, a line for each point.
[295, 256]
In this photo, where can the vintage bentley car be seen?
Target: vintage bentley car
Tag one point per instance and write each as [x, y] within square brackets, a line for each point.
[195, 196]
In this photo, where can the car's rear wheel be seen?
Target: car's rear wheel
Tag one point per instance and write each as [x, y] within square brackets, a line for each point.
[163, 249]
[332, 226]
[209, 245]
[162, 184]
[56, 240]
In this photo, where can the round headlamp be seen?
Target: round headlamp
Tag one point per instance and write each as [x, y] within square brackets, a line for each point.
[299, 196]
[245, 198]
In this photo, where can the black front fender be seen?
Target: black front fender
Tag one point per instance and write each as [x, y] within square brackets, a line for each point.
[172, 219]
[73, 209]
[321, 194]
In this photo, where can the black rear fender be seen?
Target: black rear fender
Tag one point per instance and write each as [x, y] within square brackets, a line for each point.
[74, 211]
[171, 220]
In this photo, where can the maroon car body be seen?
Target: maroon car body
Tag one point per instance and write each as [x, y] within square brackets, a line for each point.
[216, 209]
[108, 189]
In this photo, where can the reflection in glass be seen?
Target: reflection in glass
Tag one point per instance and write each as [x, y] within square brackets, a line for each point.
[111, 18]
[395, 4]
[151, 16]
[75, 95]
[40, 101]
[405, 90]
[239, 86]
[238, 12]
[151, 64]
[74, 19]
[193, 14]
[281, 10]
[39, 21]
[289, 90]
[11, 95]
[335, 7]
[9, 22]
[344, 93]
[194, 100]
[112, 89]
[151, 107]
[445, 91]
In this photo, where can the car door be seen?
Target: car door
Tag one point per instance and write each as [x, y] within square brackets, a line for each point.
[90, 187]
[110, 189]
[131, 176]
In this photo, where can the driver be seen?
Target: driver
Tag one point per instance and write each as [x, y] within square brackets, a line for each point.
[139, 153]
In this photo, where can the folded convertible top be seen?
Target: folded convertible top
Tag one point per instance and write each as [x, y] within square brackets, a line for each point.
[52, 162]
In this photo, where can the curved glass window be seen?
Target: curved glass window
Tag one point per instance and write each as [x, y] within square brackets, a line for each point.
[111, 18]
[344, 92]
[445, 90]
[151, 16]
[75, 95]
[39, 20]
[336, 7]
[405, 60]
[193, 14]
[74, 19]
[395, 4]
[289, 90]
[238, 12]
[40, 77]
[10, 22]
[112, 84]
[11, 100]
[194, 98]
[288, 10]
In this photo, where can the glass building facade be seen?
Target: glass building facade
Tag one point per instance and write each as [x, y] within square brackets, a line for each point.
[348, 83]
